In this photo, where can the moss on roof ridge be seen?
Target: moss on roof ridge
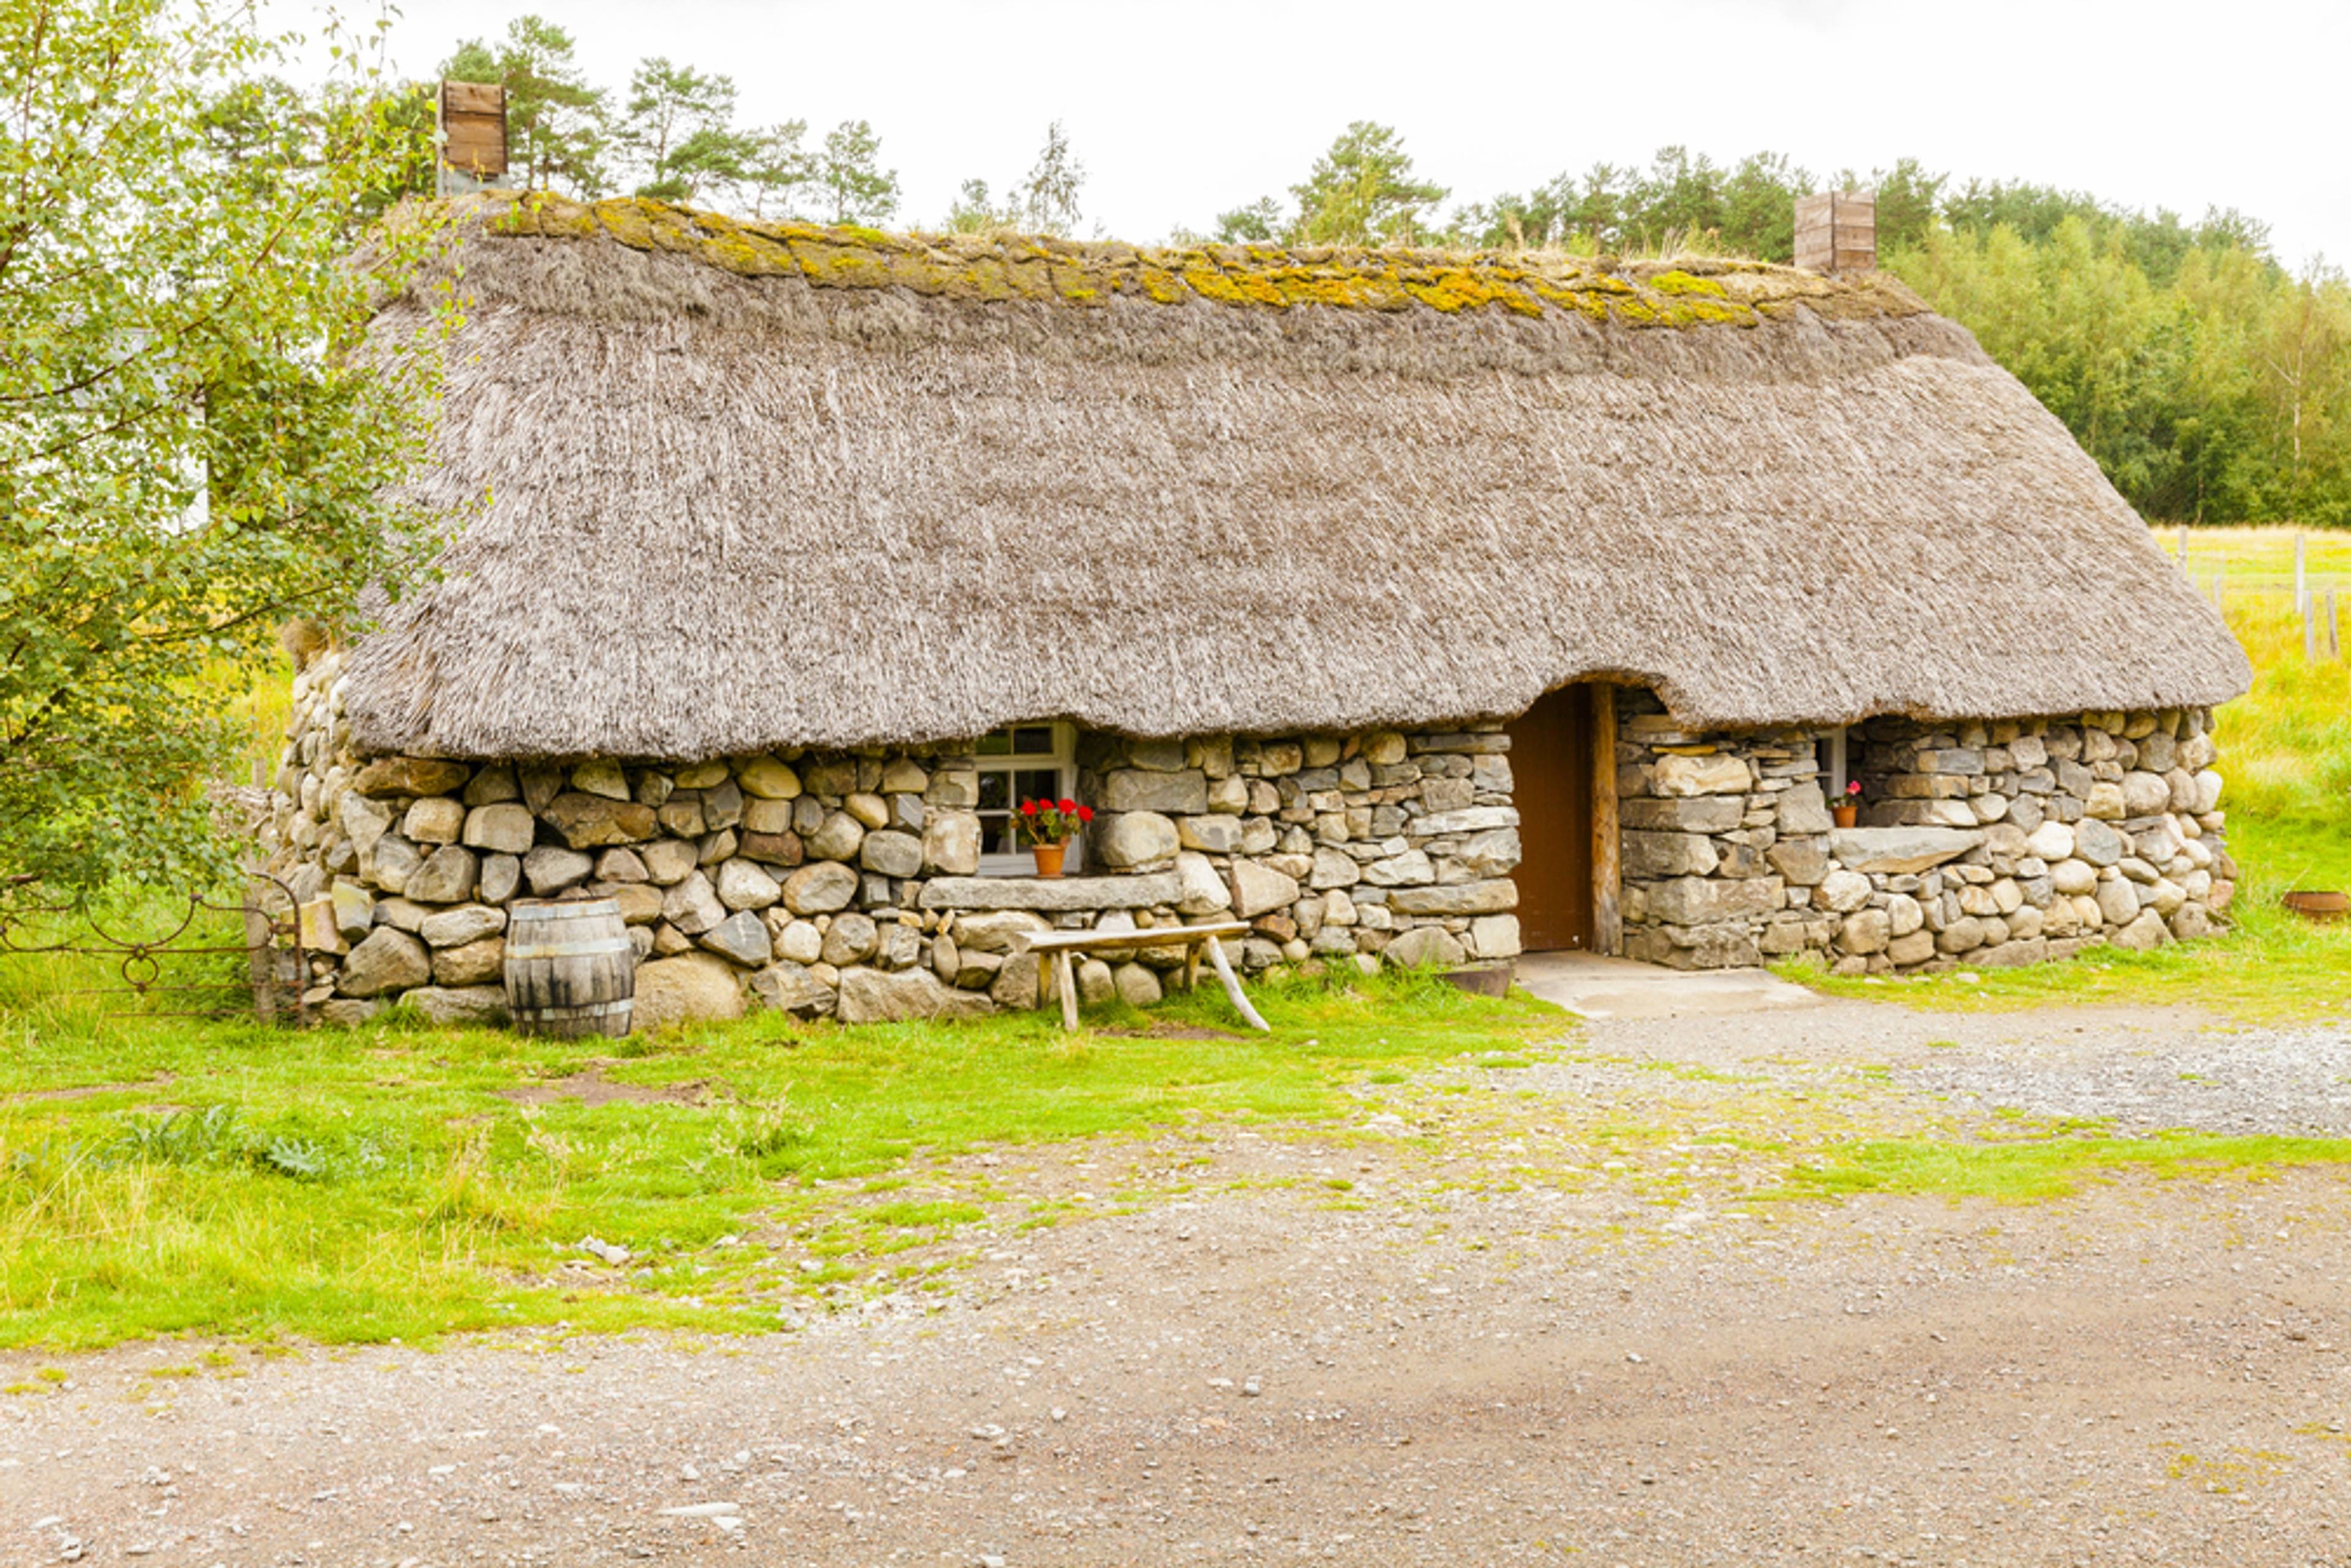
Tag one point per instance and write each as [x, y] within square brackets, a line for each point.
[1679, 292]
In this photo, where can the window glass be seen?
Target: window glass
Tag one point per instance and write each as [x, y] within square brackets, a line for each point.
[1024, 762]
[1000, 795]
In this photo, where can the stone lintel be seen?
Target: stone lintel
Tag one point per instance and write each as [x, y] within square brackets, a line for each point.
[1896, 852]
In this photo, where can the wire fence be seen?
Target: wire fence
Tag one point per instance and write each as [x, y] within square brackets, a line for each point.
[2312, 573]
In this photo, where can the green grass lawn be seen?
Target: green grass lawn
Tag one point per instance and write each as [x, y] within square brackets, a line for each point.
[160, 1175]
[2044, 1166]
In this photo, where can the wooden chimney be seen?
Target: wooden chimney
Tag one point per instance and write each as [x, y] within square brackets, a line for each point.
[473, 134]
[1836, 231]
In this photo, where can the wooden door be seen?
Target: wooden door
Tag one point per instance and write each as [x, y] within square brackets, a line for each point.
[1551, 778]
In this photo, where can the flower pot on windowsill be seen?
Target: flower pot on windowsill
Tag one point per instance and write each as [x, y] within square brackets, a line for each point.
[1048, 857]
[1844, 816]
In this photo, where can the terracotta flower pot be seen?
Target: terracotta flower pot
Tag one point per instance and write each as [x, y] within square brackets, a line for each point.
[1844, 816]
[2312, 905]
[1048, 857]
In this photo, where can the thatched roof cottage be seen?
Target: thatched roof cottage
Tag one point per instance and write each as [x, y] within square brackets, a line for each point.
[1412, 607]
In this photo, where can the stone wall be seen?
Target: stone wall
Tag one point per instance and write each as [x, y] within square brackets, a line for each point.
[1983, 844]
[836, 885]
[1390, 844]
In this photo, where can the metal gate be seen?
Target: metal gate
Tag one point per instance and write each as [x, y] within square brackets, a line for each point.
[276, 968]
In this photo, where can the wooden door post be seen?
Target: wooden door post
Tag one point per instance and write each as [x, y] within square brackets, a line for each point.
[1607, 867]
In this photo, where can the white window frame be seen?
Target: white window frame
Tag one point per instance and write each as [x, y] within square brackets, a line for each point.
[1839, 771]
[1063, 761]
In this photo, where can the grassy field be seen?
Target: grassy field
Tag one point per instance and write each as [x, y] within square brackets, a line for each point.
[404, 1181]
[2286, 750]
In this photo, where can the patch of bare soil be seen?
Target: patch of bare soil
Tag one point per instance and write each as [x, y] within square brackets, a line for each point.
[589, 1087]
[86, 1091]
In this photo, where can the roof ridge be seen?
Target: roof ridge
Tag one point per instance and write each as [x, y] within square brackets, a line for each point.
[1680, 291]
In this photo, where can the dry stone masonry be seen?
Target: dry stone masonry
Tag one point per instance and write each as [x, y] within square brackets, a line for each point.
[847, 885]
[1983, 844]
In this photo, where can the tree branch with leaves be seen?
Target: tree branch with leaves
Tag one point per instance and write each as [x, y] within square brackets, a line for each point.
[201, 441]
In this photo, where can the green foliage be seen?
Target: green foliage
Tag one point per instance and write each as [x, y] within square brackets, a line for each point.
[194, 448]
[1044, 203]
[258, 124]
[677, 126]
[1909, 202]
[1361, 192]
[1262, 222]
[768, 170]
[2209, 384]
[850, 178]
[673, 130]
[259, 128]
[976, 213]
[1049, 196]
[219, 1138]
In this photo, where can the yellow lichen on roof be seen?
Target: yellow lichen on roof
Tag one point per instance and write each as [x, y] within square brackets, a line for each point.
[1682, 292]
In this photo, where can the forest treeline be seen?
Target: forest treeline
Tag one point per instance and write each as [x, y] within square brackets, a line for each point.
[2209, 380]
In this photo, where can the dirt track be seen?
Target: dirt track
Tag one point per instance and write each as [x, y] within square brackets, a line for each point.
[1495, 1349]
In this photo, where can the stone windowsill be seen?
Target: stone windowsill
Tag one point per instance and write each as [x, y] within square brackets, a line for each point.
[1899, 851]
[1052, 894]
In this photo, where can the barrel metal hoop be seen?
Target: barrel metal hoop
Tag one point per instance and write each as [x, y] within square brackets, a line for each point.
[578, 1009]
[521, 950]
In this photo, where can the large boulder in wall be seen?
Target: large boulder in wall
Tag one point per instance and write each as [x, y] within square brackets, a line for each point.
[689, 989]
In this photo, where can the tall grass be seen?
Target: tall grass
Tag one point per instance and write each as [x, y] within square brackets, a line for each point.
[261, 706]
[2286, 746]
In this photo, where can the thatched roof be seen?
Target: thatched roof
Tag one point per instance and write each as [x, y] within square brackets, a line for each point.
[761, 484]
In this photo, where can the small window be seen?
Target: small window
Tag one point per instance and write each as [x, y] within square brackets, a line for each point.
[1026, 762]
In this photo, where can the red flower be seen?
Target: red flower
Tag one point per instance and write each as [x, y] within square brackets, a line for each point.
[1085, 813]
[1853, 787]
[1029, 808]
[1069, 805]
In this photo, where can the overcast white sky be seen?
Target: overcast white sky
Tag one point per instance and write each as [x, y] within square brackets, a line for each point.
[1181, 111]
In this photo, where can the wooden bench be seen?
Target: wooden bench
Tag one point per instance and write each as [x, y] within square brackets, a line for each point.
[1053, 949]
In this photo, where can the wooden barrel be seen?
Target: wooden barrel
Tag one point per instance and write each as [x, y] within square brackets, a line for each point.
[571, 968]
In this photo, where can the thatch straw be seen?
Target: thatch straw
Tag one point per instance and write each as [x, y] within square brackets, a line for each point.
[755, 487]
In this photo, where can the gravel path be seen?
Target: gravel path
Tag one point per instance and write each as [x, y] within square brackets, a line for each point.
[2262, 1081]
[1520, 1314]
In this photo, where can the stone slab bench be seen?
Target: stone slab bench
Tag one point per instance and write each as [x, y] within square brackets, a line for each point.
[1053, 949]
